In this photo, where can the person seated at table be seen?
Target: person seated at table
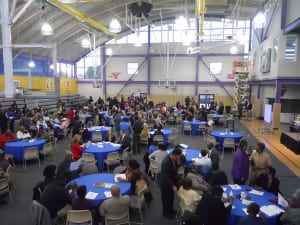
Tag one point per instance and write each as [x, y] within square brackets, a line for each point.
[76, 147]
[251, 218]
[267, 181]
[291, 216]
[64, 167]
[77, 126]
[117, 206]
[198, 182]
[204, 164]
[49, 174]
[81, 203]
[57, 198]
[214, 155]
[7, 136]
[189, 197]
[259, 162]
[211, 209]
[125, 125]
[159, 154]
[190, 115]
[22, 133]
[145, 131]
[158, 131]
[152, 148]
[221, 108]
[41, 124]
[125, 140]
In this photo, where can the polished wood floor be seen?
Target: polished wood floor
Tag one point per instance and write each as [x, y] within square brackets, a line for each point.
[272, 142]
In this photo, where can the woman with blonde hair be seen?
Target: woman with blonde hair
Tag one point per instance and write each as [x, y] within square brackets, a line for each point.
[76, 148]
[145, 131]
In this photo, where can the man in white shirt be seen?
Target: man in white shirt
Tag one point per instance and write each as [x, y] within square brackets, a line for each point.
[204, 164]
[22, 133]
[160, 154]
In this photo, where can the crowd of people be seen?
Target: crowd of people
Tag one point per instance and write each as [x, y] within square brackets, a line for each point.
[197, 186]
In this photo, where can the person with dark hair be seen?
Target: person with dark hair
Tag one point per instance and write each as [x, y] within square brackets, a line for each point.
[137, 128]
[291, 216]
[7, 136]
[198, 182]
[49, 174]
[240, 164]
[188, 195]
[214, 155]
[159, 154]
[57, 198]
[64, 167]
[251, 218]
[81, 203]
[168, 182]
[259, 162]
[267, 181]
[125, 140]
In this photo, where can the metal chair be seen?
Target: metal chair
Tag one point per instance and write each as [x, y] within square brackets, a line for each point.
[38, 214]
[138, 201]
[30, 154]
[159, 139]
[187, 127]
[173, 138]
[113, 158]
[178, 120]
[228, 143]
[154, 168]
[212, 139]
[97, 137]
[48, 151]
[89, 168]
[124, 158]
[79, 216]
[171, 119]
[144, 141]
[88, 158]
[202, 129]
[117, 220]
[5, 188]
[10, 157]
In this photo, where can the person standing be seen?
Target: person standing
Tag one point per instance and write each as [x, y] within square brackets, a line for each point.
[137, 128]
[240, 164]
[168, 182]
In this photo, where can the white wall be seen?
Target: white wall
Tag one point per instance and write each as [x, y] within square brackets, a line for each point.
[293, 10]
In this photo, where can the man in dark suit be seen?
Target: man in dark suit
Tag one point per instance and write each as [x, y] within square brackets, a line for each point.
[125, 140]
[168, 182]
[214, 155]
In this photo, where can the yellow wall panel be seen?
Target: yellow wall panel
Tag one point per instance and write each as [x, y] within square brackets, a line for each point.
[68, 86]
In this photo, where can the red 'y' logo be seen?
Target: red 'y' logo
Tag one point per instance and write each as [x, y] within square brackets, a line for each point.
[115, 75]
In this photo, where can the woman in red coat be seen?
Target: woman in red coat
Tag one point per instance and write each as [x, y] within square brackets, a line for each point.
[76, 148]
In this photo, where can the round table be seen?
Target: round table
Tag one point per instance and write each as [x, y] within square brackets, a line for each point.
[103, 130]
[237, 211]
[17, 148]
[90, 180]
[195, 124]
[220, 135]
[100, 151]
[190, 155]
[166, 134]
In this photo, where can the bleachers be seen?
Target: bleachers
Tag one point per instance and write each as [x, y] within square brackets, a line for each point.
[49, 103]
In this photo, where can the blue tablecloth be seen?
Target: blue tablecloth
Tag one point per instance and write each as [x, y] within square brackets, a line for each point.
[165, 132]
[237, 212]
[217, 116]
[17, 148]
[220, 135]
[90, 180]
[101, 153]
[87, 117]
[103, 130]
[190, 155]
[195, 124]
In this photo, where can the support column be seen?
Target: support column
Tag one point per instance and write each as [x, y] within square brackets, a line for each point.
[7, 51]
[56, 75]
[103, 52]
[277, 106]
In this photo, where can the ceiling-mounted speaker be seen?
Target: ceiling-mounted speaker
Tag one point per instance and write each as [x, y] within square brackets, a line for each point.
[140, 8]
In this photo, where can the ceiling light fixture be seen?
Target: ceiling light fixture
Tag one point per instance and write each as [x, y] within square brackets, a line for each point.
[233, 50]
[182, 23]
[259, 20]
[85, 43]
[115, 26]
[31, 64]
[46, 29]
[109, 51]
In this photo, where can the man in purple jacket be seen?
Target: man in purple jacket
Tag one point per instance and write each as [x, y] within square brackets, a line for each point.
[240, 165]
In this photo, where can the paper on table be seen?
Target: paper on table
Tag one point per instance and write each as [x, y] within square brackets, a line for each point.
[261, 193]
[246, 202]
[281, 201]
[227, 204]
[245, 211]
[107, 185]
[222, 133]
[115, 145]
[194, 159]
[121, 175]
[107, 194]
[224, 189]
[91, 195]
[75, 165]
[271, 210]
[234, 186]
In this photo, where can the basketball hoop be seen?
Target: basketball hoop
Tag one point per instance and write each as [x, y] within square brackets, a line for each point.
[166, 83]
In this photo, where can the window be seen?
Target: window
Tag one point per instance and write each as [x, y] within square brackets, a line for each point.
[215, 68]
[132, 68]
[290, 53]
[275, 49]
